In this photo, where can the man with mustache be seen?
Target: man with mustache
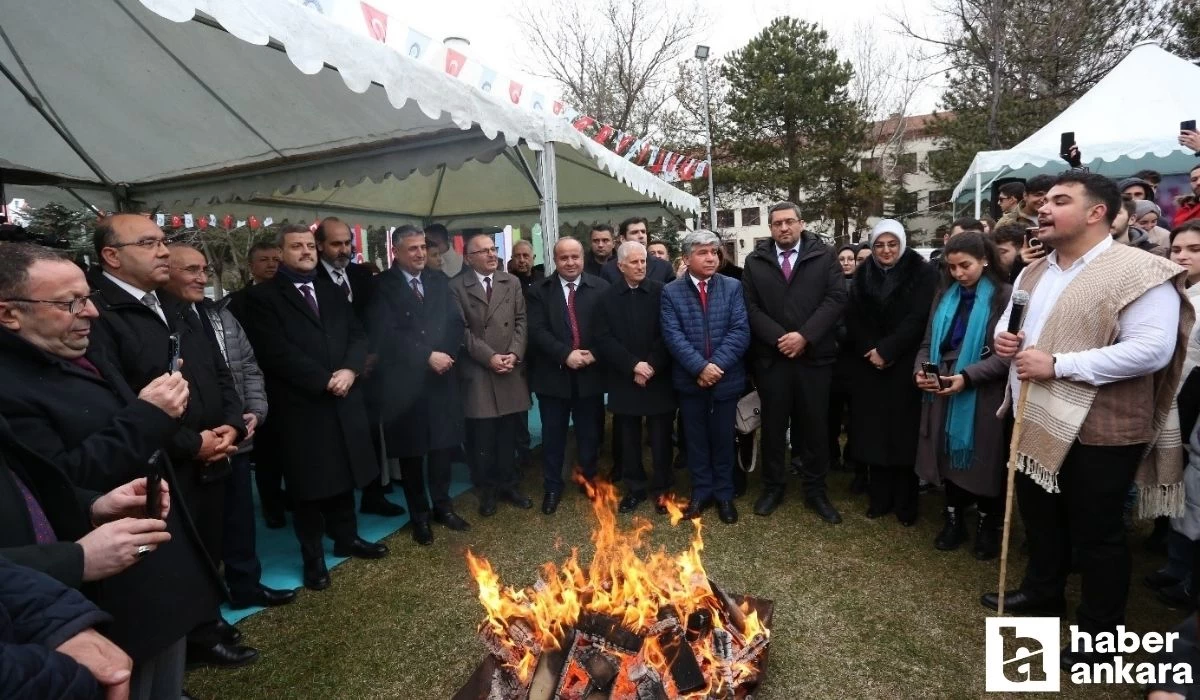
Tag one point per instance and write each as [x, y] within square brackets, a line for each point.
[311, 349]
[334, 245]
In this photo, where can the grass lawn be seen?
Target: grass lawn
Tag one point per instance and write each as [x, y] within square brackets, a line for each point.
[863, 609]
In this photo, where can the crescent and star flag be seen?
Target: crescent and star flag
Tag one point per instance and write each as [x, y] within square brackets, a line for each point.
[604, 134]
[514, 91]
[377, 21]
[454, 62]
[584, 122]
[624, 142]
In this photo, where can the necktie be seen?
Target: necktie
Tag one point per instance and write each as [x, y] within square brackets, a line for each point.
[571, 317]
[43, 532]
[151, 301]
[416, 285]
[704, 308]
[306, 290]
[86, 365]
[345, 285]
[787, 264]
[487, 288]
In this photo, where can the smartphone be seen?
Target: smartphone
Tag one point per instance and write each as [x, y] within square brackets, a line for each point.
[1064, 146]
[1031, 239]
[931, 370]
[154, 486]
[174, 353]
[1189, 125]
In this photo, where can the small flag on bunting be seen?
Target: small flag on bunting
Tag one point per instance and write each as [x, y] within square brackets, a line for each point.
[454, 62]
[188, 221]
[487, 79]
[417, 44]
[584, 122]
[377, 21]
[603, 135]
[624, 142]
[558, 107]
[514, 91]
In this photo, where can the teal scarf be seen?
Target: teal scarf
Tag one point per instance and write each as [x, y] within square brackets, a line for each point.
[960, 414]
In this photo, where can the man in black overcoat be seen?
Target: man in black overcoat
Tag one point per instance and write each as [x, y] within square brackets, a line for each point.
[568, 382]
[630, 346]
[311, 349]
[417, 332]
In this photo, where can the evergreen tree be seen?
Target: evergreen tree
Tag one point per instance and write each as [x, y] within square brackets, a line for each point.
[1183, 17]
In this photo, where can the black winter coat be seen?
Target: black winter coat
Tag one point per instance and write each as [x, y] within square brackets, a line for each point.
[629, 331]
[550, 337]
[885, 405]
[38, 614]
[362, 286]
[421, 409]
[656, 271]
[322, 441]
[811, 303]
[98, 433]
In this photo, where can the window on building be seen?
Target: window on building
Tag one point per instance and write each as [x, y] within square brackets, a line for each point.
[905, 203]
[870, 165]
[724, 218]
[906, 163]
[939, 200]
[760, 239]
[751, 216]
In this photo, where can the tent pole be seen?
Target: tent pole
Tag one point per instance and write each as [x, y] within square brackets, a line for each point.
[978, 194]
[517, 158]
[437, 192]
[549, 220]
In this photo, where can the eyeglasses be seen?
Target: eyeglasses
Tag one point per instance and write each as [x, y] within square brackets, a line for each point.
[74, 306]
[784, 223]
[485, 251]
[886, 245]
[143, 243]
[196, 270]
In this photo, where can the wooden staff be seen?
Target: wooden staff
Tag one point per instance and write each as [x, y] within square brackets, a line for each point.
[1008, 496]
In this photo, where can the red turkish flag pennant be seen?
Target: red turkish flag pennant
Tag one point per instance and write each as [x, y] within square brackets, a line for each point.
[624, 143]
[377, 21]
[227, 221]
[603, 135]
[514, 91]
[202, 223]
[688, 170]
[558, 107]
[673, 163]
[584, 123]
[657, 166]
[454, 62]
[642, 155]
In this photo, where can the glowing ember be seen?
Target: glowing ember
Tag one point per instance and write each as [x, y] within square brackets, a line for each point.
[628, 616]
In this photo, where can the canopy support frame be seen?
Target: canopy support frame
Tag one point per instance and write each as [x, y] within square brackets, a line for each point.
[547, 168]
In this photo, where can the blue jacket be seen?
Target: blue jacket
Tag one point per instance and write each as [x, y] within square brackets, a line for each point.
[37, 614]
[725, 328]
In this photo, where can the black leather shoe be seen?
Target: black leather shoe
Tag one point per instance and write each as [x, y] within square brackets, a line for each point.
[221, 655]
[516, 498]
[550, 502]
[360, 548]
[422, 534]
[954, 531]
[1018, 602]
[316, 575]
[229, 633]
[727, 512]
[768, 502]
[263, 597]
[695, 508]
[274, 519]
[822, 507]
[487, 504]
[873, 512]
[987, 537]
[907, 520]
[447, 517]
[1159, 580]
[631, 501]
[380, 506]
[1176, 598]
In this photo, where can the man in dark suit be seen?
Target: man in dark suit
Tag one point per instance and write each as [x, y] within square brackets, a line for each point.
[603, 243]
[334, 245]
[636, 229]
[794, 297]
[137, 320]
[568, 383]
[417, 331]
[311, 349]
[72, 407]
[521, 266]
[630, 346]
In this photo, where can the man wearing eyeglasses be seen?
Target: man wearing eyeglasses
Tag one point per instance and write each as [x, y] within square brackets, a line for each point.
[495, 394]
[137, 318]
[794, 297]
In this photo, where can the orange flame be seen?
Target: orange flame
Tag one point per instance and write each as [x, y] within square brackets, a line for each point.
[625, 581]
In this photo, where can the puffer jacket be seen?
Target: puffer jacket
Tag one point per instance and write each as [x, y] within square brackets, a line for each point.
[724, 329]
[239, 355]
[37, 614]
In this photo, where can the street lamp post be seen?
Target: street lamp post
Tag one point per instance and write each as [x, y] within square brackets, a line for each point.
[702, 55]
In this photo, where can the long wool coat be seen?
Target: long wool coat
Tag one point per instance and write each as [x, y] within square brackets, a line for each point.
[985, 477]
[885, 404]
[496, 327]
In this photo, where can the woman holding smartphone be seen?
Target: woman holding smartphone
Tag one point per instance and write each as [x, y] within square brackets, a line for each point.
[962, 443]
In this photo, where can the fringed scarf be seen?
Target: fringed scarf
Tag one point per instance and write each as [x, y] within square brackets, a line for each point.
[960, 414]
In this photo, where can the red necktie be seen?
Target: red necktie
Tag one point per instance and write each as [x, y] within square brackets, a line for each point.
[704, 307]
[787, 264]
[85, 364]
[487, 288]
[574, 320]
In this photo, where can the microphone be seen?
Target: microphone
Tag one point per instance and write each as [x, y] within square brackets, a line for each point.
[1019, 299]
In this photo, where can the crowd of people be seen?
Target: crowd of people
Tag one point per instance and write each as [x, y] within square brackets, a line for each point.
[137, 412]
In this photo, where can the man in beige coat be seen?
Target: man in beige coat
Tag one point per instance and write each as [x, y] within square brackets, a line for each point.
[495, 394]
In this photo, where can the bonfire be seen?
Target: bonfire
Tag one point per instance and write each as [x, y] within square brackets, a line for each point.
[633, 624]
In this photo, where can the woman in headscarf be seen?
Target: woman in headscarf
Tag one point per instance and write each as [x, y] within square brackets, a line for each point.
[961, 444]
[885, 322]
[839, 392]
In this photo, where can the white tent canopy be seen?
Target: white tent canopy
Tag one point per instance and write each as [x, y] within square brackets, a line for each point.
[1127, 122]
[185, 104]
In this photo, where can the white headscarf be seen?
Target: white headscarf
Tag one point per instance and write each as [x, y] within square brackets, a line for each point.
[889, 226]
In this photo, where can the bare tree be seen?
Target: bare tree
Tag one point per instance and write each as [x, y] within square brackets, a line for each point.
[615, 60]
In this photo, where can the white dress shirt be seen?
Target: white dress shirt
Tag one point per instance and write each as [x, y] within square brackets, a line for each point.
[564, 283]
[409, 279]
[794, 253]
[140, 294]
[338, 276]
[1145, 332]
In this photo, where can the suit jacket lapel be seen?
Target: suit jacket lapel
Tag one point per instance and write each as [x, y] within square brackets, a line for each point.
[296, 298]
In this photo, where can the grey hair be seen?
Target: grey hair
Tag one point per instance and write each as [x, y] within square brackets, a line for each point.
[697, 239]
[405, 231]
[628, 247]
[522, 242]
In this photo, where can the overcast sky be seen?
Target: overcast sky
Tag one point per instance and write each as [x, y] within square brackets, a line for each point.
[496, 36]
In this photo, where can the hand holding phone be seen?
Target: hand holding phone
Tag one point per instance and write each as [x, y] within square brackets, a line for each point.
[174, 353]
[931, 372]
[1068, 150]
[154, 486]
